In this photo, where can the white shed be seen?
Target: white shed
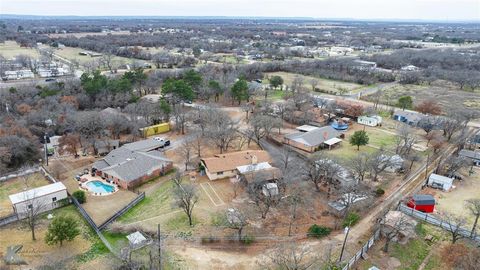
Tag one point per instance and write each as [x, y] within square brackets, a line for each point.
[441, 182]
[41, 199]
[372, 121]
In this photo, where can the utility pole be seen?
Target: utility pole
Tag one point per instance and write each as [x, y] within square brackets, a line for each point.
[159, 248]
[45, 147]
[347, 230]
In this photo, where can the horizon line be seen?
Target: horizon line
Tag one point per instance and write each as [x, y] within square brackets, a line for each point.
[11, 15]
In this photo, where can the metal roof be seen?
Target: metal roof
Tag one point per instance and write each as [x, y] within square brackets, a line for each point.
[36, 192]
[314, 137]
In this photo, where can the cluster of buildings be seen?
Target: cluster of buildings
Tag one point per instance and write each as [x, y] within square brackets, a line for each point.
[43, 70]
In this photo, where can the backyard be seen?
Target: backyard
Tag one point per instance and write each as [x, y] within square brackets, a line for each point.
[454, 201]
[85, 248]
[10, 49]
[17, 185]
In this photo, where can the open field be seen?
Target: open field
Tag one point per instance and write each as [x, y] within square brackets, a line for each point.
[16, 185]
[10, 49]
[325, 85]
[72, 54]
[447, 95]
[83, 249]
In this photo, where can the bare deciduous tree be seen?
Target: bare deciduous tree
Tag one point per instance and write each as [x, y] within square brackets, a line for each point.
[454, 225]
[236, 220]
[184, 197]
[473, 206]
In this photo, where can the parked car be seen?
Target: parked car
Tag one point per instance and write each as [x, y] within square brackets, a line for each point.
[50, 80]
[164, 142]
[78, 177]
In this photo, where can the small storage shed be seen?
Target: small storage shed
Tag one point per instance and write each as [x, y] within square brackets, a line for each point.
[422, 202]
[371, 121]
[441, 182]
[136, 240]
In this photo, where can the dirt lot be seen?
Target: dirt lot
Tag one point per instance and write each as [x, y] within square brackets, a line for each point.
[37, 252]
[16, 185]
[10, 49]
[454, 201]
[323, 84]
[447, 95]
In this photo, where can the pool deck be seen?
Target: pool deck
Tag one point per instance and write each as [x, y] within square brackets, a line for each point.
[100, 208]
[87, 178]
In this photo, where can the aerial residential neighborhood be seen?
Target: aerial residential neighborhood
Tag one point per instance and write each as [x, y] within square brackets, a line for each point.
[240, 135]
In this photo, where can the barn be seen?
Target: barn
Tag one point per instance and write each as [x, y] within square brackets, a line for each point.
[424, 203]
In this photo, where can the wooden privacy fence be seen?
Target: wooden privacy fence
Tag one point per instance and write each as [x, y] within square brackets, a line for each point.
[363, 250]
[120, 212]
[436, 221]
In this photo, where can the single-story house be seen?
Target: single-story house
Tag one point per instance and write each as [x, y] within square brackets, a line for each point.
[410, 118]
[441, 182]
[313, 140]
[133, 163]
[395, 163]
[338, 206]
[342, 175]
[372, 121]
[103, 147]
[225, 165]
[474, 156]
[41, 199]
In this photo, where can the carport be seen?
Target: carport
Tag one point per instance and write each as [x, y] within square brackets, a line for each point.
[331, 142]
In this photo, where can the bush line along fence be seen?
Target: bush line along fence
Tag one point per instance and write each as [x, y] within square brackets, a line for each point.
[436, 221]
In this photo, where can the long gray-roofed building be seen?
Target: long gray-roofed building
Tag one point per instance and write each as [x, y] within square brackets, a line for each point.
[133, 163]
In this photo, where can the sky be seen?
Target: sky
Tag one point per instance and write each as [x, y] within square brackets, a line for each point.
[445, 10]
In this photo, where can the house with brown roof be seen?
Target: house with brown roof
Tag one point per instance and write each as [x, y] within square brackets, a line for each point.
[225, 165]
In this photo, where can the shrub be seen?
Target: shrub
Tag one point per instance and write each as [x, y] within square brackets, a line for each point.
[379, 192]
[351, 219]
[318, 231]
[248, 239]
[80, 196]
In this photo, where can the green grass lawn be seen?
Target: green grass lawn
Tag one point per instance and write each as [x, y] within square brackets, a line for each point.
[155, 203]
[10, 49]
[410, 255]
[346, 151]
[379, 138]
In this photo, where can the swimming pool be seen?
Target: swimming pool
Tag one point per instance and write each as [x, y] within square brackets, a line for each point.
[100, 187]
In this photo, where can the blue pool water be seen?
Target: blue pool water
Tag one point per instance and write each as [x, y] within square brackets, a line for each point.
[99, 187]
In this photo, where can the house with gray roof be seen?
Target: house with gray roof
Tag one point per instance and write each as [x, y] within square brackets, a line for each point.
[314, 139]
[474, 156]
[133, 164]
